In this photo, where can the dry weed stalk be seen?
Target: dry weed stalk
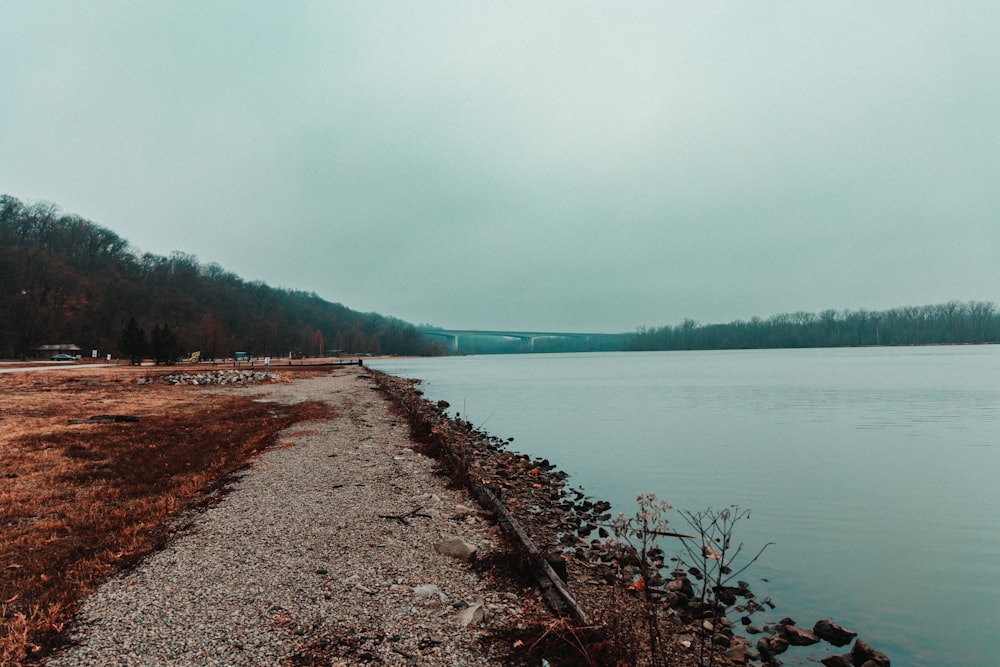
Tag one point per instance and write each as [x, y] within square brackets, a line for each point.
[579, 639]
[712, 558]
[640, 562]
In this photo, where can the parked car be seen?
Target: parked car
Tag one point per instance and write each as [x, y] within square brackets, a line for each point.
[63, 357]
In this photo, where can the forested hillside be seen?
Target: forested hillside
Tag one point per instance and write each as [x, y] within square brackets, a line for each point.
[949, 323]
[64, 279]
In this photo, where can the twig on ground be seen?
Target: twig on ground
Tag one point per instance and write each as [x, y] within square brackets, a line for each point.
[402, 518]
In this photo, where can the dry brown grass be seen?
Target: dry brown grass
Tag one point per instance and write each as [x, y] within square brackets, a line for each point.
[77, 500]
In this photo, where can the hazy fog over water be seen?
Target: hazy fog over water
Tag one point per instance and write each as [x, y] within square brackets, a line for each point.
[560, 166]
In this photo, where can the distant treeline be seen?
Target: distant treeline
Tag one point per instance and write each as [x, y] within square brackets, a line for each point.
[64, 280]
[948, 323]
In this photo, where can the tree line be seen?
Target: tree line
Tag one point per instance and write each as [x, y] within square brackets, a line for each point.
[951, 323]
[64, 279]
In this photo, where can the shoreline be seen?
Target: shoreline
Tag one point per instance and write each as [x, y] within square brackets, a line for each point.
[568, 528]
[386, 434]
[577, 530]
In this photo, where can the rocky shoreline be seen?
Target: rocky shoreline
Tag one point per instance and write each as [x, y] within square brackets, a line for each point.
[358, 540]
[574, 533]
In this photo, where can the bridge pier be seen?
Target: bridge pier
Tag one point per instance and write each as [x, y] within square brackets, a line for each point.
[527, 338]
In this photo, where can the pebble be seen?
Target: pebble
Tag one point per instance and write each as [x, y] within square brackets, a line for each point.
[296, 557]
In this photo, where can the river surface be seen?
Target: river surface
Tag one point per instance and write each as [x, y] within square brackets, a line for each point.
[875, 471]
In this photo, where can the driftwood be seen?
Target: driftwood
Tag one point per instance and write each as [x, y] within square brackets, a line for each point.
[106, 419]
[551, 583]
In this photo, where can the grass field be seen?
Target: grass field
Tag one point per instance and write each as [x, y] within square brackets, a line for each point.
[78, 500]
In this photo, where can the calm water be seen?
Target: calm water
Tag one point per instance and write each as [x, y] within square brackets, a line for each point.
[876, 471]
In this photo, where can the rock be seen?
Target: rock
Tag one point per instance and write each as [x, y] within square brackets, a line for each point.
[835, 634]
[474, 614]
[836, 661]
[681, 585]
[465, 510]
[426, 591]
[778, 645]
[456, 548]
[797, 636]
[863, 655]
[727, 594]
[764, 648]
[739, 653]
[221, 377]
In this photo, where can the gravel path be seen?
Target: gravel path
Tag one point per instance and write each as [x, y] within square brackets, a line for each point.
[295, 566]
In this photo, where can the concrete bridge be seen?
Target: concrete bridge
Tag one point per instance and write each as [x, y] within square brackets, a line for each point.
[527, 338]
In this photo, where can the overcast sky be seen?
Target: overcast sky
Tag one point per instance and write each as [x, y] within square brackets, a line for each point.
[527, 165]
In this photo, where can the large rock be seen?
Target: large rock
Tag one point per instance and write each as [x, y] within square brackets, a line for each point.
[768, 647]
[863, 655]
[764, 648]
[778, 645]
[456, 548]
[797, 636]
[829, 631]
[836, 661]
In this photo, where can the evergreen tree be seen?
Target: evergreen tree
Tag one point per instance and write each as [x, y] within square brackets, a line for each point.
[132, 343]
[164, 345]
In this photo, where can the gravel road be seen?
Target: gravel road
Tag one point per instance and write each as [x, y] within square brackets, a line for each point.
[299, 565]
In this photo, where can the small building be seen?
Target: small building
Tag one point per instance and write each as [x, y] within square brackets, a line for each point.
[49, 351]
